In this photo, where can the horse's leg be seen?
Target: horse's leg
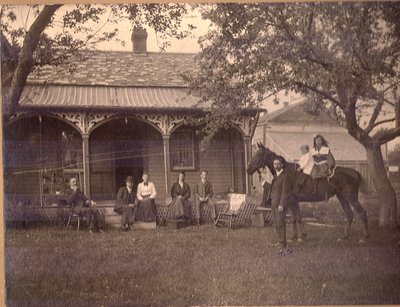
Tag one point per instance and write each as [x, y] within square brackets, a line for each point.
[295, 212]
[301, 226]
[297, 222]
[348, 212]
[363, 215]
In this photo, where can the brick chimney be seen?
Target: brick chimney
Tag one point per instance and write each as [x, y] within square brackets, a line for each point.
[139, 40]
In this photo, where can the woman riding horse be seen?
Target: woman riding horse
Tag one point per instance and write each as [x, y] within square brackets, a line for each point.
[345, 184]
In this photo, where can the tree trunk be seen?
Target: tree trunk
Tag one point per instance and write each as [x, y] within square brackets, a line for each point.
[386, 193]
[25, 61]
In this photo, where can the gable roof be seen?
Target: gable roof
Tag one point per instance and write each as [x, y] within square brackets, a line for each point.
[115, 80]
[115, 68]
[295, 113]
[343, 146]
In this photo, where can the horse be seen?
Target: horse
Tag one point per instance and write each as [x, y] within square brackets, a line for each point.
[344, 184]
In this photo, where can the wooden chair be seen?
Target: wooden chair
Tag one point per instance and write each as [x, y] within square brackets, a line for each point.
[73, 215]
[240, 211]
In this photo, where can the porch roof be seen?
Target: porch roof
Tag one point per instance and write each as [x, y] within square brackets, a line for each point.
[81, 97]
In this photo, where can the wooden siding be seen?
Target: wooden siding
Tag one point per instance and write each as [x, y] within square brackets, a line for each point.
[154, 162]
[224, 161]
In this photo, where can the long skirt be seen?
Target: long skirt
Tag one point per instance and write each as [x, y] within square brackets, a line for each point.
[179, 208]
[146, 210]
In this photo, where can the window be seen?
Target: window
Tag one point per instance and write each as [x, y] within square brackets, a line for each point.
[182, 150]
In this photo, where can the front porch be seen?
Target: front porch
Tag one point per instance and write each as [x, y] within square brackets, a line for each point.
[43, 151]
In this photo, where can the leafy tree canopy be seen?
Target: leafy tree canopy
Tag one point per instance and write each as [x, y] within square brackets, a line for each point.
[345, 54]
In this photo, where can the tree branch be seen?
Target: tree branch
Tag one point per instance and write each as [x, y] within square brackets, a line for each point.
[375, 114]
[25, 61]
[317, 91]
[383, 121]
[385, 136]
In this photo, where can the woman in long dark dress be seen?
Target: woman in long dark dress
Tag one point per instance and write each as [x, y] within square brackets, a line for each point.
[180, 193]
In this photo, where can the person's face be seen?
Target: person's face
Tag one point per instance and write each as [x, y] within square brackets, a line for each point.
[129, 184]
[277, 165]
[73, 182]
[181, 177]
[203, 175]
[145, 178]
[318, 142]
[264, 173]
[303, 150]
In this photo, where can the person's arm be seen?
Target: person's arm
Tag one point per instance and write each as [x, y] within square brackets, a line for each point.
[196, 193]
[139, 192]
[187, 193]
[120, 201]
[70, 196]
[173, 191]
[285, 191]
[153, 190]
[210, 191]
[331, 160]
[302, 162]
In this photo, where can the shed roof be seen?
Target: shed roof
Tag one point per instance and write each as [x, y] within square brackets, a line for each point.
[343, 146]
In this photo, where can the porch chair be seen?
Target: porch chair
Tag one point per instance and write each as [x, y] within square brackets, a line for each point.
[73, 215]
[240, 211]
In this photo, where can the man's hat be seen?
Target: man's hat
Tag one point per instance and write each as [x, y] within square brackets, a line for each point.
[129, 179]
[280, 158]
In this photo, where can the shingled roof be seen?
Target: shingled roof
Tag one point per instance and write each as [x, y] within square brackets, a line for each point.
[115, 68]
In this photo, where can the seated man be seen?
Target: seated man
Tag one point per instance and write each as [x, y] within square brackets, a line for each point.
[203, 196]
[82, 205]
[124, 204]
[146, 194]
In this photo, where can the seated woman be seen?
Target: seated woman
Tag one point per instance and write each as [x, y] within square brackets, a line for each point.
[180, 193]
[324, 162]
[146, 207]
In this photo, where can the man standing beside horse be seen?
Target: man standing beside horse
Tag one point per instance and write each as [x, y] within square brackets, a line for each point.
[282, 197]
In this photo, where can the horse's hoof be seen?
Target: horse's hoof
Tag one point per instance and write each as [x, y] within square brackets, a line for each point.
[362, 241]
[300, 240]
[342, 239]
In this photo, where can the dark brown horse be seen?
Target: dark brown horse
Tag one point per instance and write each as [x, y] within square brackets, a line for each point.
[344, 183]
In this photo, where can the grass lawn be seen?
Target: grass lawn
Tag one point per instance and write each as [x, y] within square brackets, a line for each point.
[49, 266]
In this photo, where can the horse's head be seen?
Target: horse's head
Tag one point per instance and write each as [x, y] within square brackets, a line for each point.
[263, 157]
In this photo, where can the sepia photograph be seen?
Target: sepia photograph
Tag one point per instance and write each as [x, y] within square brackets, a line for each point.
[201, 154]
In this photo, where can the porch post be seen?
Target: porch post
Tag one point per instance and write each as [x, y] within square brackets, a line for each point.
[86, 172]
[167, 168]
[247, 156]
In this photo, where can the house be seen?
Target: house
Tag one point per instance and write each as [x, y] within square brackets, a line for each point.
[291, 126]
[112, 115]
